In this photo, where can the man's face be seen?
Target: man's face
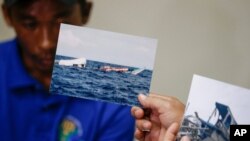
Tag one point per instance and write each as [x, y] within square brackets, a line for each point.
[37, 27]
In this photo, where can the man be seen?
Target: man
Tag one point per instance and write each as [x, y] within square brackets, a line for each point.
[162, 122]
[27, 111]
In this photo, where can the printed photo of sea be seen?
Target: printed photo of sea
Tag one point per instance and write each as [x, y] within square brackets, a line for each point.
[92, 80]
[102, 65]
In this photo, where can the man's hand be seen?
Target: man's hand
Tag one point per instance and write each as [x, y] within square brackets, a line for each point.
[161, 112]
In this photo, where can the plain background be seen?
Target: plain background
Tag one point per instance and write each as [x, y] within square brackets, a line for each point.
[205, 37]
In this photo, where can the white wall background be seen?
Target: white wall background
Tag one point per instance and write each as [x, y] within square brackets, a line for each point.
[206, 37]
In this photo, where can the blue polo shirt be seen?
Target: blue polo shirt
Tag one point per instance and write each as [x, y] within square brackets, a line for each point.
[29, 113]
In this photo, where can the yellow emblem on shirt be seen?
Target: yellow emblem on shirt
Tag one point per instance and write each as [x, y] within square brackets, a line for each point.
[70, 130]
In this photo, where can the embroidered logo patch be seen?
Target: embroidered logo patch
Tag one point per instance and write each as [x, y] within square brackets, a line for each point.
[70, 129]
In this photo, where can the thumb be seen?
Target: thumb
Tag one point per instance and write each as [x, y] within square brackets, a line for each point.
[143, 100]
[185, 138]
[171, 132]
[151, 102]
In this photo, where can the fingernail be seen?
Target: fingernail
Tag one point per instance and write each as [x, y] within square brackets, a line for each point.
[146, 126]
[145, 130]
[142, 96]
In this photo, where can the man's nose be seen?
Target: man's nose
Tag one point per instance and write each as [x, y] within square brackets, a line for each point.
[48, 38]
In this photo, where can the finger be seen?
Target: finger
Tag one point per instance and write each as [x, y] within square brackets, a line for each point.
[171, 132]
[137, 112]
[143, 125]
[139, 135]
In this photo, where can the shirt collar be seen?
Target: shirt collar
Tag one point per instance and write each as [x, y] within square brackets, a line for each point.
[18, 75]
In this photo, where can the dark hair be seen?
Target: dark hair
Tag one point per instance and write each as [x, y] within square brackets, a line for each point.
[10, 3]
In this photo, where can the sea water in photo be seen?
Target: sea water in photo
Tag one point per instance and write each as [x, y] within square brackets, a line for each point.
[94, 82]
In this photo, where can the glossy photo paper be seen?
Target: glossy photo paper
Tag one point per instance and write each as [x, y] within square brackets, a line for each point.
[102, 65]
[212, 107]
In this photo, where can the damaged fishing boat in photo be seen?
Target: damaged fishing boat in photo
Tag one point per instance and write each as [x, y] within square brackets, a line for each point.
[199, 129]
[78, 62]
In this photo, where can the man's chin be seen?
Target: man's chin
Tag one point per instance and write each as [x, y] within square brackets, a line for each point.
[46, 69]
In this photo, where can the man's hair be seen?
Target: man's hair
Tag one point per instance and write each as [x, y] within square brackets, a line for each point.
[10, 3]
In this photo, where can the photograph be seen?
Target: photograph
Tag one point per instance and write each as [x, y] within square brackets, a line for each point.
[212, 107]
[102, 65]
